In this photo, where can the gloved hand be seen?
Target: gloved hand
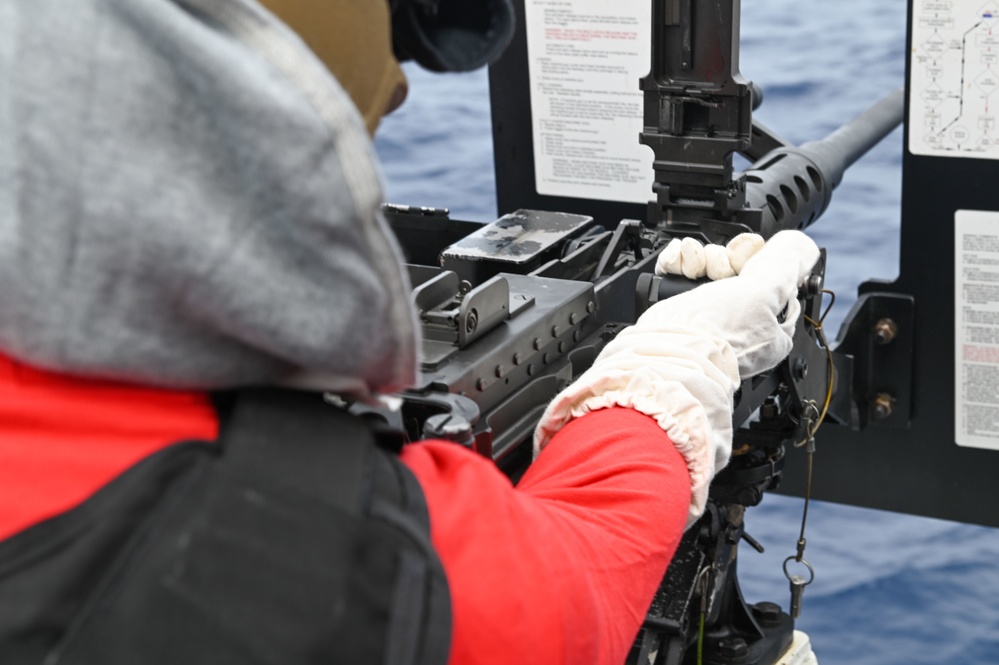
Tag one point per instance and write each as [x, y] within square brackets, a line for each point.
[693, 260]
[682, 361]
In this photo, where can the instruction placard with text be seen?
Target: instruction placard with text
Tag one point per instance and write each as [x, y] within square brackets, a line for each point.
[976, 328]
[585, 59]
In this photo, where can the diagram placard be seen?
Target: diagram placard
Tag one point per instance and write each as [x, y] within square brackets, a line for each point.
[954, 79]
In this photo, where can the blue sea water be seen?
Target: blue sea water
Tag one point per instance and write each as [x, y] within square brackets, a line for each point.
[890, 589]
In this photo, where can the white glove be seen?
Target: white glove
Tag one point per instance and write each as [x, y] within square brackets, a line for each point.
[689, 258]
[682, 361]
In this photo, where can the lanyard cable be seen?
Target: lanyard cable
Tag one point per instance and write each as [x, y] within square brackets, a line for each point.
[813, 419]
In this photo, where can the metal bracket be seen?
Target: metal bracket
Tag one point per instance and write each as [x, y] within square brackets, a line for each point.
[879, 335]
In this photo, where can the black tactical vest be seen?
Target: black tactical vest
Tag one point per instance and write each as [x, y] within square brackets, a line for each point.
[294, 540]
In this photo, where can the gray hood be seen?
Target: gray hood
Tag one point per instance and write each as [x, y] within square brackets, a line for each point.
[188, 198]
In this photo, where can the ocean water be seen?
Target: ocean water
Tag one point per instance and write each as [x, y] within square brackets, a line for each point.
[890, 589]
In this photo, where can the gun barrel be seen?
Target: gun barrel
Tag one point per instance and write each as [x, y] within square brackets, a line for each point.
[846, 145]
[791, 187]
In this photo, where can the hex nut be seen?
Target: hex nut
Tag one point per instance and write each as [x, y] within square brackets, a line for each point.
[884, 331]
[882, 406]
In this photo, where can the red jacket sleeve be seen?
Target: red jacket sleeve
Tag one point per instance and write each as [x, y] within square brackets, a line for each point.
[562, 568]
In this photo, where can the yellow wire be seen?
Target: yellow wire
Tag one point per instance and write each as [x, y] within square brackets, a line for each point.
[702, 581]
[832, 301]
[817, 325]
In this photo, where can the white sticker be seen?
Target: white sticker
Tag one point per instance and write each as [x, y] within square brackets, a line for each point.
[954, 78]
[976, 329]
[585, 59]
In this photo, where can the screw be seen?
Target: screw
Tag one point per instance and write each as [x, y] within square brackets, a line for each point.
[801, 368]
[472, 322]
[576, 336]
[882, 406]
[537, 343]
[481, 384]
[885, 331]
[500, 371]
[556, 331]
[573, 318]
[590, 306]
[518, 358]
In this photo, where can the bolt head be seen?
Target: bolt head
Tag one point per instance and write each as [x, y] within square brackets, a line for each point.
[750, 496]
[733, 647]
[814, 285]
[767, 613]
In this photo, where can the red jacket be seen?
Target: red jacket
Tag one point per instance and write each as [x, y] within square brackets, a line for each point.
[559, 569]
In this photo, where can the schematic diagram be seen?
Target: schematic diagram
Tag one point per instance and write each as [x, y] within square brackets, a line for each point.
[954, 79]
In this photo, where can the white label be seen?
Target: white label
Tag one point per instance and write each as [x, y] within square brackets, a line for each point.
[954, 78]
[976, 329]
[585, 59]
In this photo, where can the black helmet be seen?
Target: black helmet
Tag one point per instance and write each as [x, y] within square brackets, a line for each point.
[451, 35]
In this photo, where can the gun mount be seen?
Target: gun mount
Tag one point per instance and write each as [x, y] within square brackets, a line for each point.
[515, 310]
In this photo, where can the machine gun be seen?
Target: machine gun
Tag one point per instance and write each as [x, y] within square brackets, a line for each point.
[513, 311]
